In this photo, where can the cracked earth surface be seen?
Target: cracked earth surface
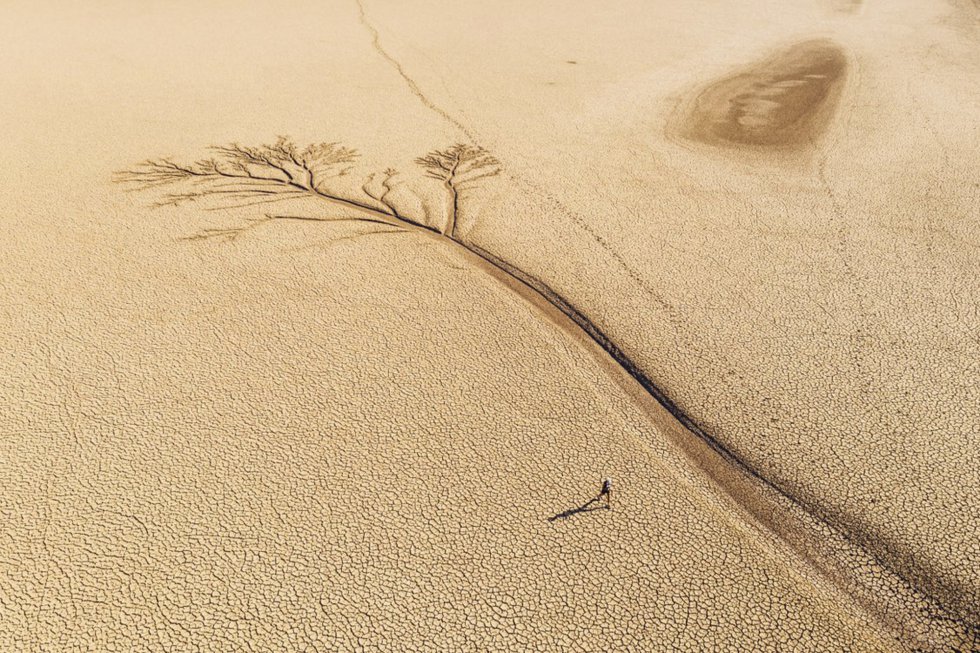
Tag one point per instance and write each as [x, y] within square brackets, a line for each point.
[301, 442]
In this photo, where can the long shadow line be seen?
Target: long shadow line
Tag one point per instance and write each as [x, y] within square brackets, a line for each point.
[588, 506]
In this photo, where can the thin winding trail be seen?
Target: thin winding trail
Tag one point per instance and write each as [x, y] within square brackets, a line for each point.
[412, 85]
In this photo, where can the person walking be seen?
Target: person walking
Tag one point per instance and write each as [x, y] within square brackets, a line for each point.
[606, 492]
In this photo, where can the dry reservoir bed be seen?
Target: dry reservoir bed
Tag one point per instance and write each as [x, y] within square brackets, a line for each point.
[302, 423]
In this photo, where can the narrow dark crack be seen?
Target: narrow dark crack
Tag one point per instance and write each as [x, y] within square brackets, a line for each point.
[412, 85]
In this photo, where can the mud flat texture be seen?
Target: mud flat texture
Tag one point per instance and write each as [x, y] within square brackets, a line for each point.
[223, 432]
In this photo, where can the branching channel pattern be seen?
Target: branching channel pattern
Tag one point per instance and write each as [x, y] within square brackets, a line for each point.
[237, 176]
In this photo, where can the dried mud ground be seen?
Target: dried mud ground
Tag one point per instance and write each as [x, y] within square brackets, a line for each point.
[303, 441]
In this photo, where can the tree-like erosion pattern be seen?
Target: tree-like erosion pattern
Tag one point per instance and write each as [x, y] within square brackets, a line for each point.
[247, 176]
[785, 100]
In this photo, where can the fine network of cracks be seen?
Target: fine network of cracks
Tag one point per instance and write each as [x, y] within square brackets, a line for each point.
[238, 176]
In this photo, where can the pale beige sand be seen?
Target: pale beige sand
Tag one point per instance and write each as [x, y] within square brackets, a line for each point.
[296, 442]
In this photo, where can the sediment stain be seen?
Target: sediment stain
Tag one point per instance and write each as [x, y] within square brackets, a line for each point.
[782, 101]
[847, 6]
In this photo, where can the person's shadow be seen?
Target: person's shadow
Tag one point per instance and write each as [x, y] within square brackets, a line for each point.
[588, 506]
